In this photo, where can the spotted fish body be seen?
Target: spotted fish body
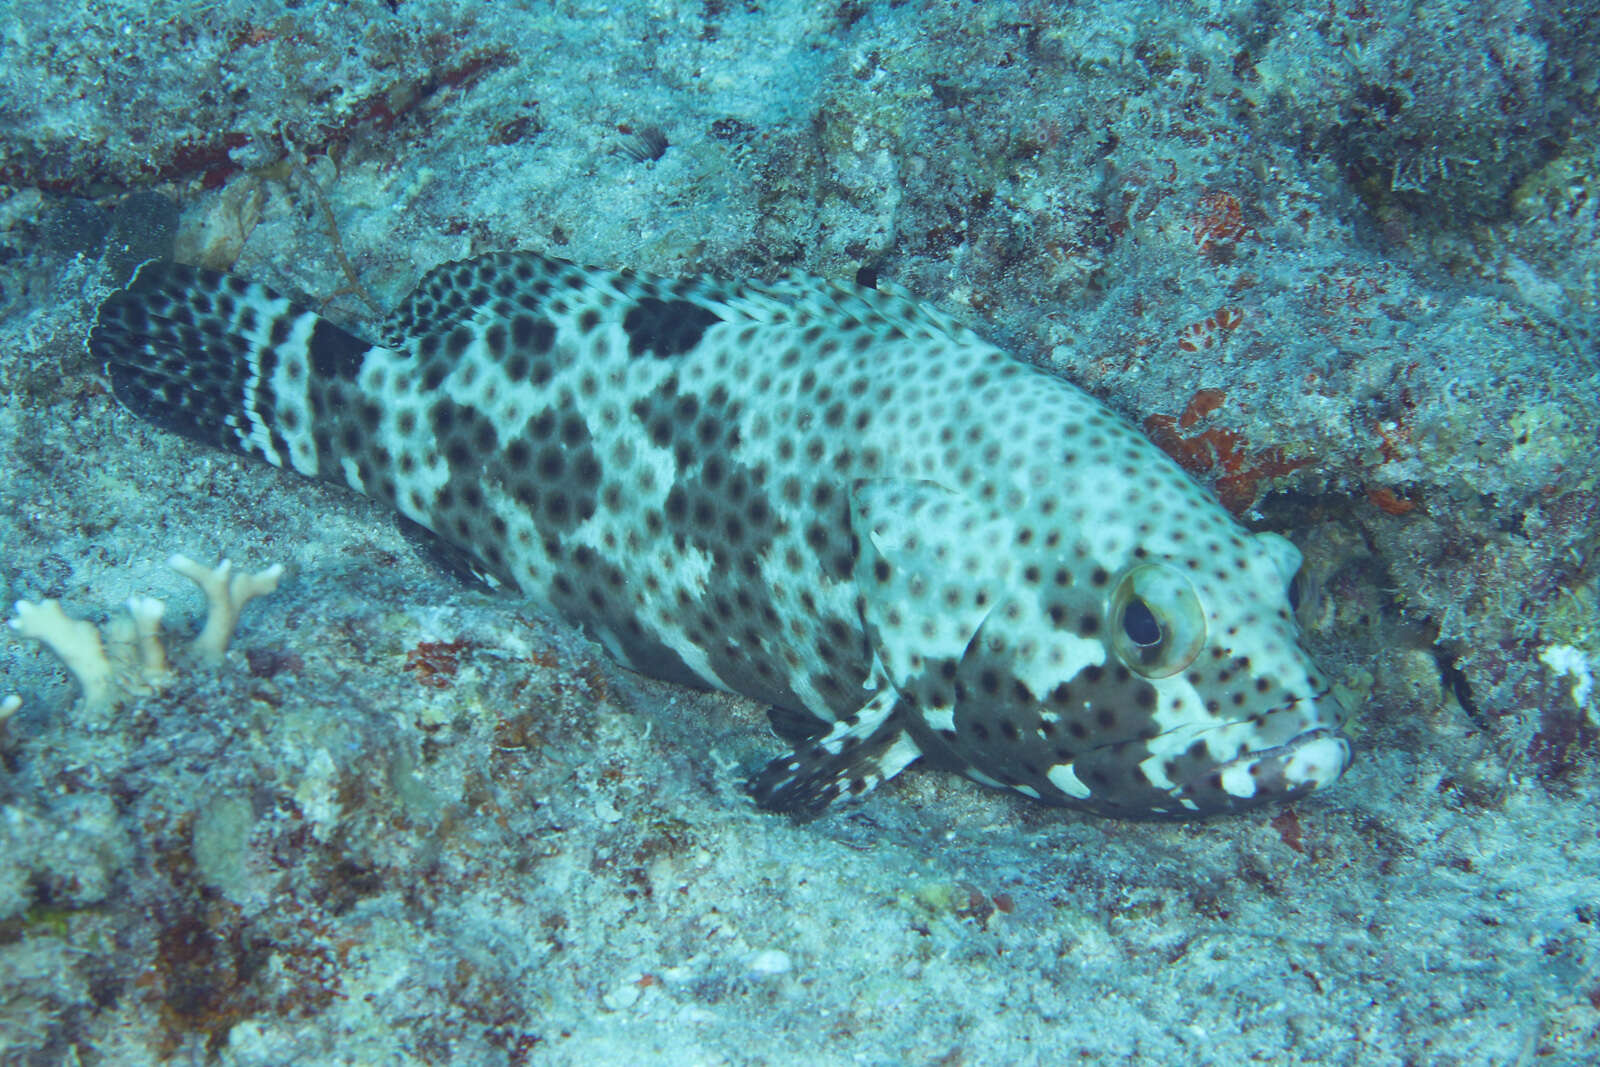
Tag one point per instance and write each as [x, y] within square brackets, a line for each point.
[830, 499]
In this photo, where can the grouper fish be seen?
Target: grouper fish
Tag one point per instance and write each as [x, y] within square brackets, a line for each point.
[831, 499]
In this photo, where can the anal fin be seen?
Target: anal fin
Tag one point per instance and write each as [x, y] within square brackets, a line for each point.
[846, 762]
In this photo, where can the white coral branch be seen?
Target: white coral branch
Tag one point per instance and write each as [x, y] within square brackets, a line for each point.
[226, 595]
[133, 645]
[76, 642]
[149, 653]
[131, 660]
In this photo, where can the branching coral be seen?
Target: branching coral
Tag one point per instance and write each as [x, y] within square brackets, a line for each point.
[226, 595]
[131, 659]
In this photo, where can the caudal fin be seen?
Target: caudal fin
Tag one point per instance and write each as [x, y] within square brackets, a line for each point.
[228, 362]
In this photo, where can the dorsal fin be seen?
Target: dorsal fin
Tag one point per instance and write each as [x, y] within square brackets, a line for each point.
[462, 292]
[498, 284]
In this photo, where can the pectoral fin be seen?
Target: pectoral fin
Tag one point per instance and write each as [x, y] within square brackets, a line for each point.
[930, 568]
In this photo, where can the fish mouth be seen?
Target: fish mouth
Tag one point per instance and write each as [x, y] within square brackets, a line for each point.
[1309, 761]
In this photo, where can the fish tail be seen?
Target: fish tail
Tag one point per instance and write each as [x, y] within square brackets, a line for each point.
[231, 363]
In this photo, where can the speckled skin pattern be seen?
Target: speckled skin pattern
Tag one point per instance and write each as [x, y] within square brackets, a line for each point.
[828, 498]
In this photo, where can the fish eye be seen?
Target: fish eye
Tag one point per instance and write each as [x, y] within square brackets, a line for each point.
[1294, 592]
[1160, 626]
[1139, 624]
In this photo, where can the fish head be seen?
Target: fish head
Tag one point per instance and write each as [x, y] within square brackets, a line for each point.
[1238, 714]
[1125, 673]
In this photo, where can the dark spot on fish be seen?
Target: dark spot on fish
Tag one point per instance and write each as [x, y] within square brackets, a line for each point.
[666, 327]
[334, 353]
[532, 334]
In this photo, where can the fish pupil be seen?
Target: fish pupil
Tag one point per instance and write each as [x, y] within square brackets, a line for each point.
[1139, 623]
